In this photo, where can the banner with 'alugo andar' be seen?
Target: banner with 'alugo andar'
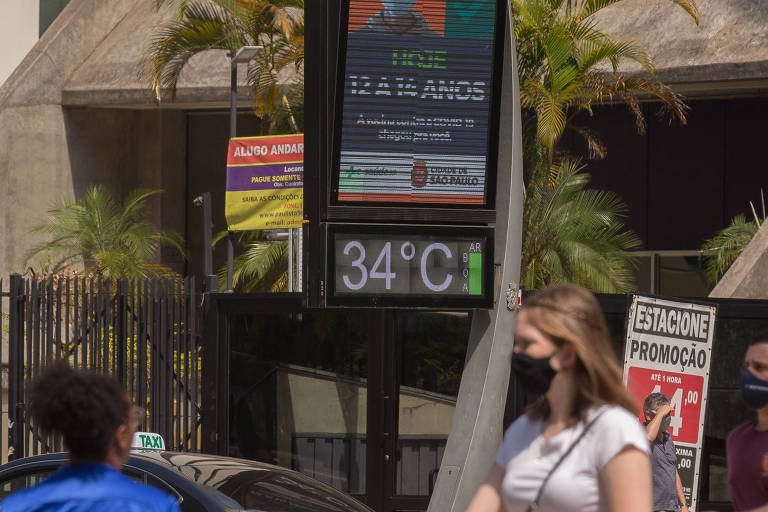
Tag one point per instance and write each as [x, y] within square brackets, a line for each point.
[265, 182]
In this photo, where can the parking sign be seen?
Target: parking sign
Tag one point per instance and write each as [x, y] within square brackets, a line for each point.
[668, 350]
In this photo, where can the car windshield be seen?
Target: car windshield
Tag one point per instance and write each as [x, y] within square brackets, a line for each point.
[259, 487]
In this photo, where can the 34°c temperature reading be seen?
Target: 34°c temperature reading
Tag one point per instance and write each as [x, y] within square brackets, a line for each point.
[382, 265]
[425, 266]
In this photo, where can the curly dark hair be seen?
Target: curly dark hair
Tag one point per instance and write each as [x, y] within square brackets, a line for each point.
[85, 407]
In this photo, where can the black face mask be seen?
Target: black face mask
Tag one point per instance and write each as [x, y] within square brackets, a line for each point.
[533, 374]
[754, 391]
[665, 423]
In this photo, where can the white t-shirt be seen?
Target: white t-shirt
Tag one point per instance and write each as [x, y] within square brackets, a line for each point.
[575, 484]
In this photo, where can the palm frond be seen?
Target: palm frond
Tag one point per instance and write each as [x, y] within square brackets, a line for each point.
[595, 146]
[276, 25]
[260, 266]
[690, 7]
[592, 53]
[203, 25]
[724, 248]
[575, 234]
[590, 7]
[109, 239]
[558, 51]
[280, 284]
[720, 251]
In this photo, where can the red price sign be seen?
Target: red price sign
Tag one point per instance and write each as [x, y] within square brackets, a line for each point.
[685, 392]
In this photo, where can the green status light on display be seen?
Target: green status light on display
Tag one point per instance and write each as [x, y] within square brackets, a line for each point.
[475, 273]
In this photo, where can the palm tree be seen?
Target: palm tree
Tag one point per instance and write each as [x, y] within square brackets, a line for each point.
[562, 61]
[277, 74]
[576, 235]
[114, 241]
[565, 66]
[726, 246]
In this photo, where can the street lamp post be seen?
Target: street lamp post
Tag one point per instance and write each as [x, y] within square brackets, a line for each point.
[243, 54]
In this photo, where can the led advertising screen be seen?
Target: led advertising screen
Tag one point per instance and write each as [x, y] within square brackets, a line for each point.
[417, 110]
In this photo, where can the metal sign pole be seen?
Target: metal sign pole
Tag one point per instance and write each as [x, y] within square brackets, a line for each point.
[299, 259]
[477, 421]
[232, 134]
[290, 259]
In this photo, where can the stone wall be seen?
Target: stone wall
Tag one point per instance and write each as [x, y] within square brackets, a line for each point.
[35, 158]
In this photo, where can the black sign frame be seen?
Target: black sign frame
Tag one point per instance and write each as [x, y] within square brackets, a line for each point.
[491, 149]
[421, 301]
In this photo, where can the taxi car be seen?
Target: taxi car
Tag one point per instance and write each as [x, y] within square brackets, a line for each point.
[201, 482]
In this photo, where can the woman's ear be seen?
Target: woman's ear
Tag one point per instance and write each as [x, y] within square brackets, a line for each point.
[564, 358]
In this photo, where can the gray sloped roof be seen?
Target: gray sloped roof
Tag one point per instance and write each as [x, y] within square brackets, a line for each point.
[727, 51]
[110, 76]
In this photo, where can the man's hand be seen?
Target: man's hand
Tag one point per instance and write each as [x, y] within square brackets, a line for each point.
[680, 494]
[652, 428]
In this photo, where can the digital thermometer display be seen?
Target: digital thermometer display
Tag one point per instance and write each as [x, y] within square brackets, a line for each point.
[435, 265]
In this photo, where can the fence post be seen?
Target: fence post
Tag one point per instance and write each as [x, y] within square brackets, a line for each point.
[120, 341]
[215, 382]
[15, 366]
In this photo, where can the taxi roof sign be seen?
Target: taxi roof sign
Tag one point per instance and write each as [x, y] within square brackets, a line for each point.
[147, 441]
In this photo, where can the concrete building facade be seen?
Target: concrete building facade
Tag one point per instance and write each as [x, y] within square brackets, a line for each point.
[75, 112]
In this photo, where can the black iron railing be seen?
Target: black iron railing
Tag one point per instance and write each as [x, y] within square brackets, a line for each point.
[142, 332]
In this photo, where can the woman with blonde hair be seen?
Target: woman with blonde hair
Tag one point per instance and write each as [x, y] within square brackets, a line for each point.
[579, 446]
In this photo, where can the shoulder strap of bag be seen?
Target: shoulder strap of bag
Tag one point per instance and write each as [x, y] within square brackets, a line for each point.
[535, 504]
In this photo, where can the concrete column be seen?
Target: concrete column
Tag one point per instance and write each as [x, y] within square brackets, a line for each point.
[35, 165]
[476, 429]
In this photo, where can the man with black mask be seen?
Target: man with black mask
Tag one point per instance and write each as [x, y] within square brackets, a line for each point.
[747, 445]
[667, 487]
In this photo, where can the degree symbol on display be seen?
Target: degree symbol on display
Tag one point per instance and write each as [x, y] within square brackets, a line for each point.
[411, 251]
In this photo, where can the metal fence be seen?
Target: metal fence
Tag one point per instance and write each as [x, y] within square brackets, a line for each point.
[141, 332]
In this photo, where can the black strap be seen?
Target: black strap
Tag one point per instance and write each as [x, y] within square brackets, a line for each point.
[535, 504]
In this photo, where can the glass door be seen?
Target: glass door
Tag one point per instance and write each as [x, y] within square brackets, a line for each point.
[298, 394]
[360, 400]
[421, 358]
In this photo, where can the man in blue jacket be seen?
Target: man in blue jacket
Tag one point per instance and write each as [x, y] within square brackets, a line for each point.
[97, 421]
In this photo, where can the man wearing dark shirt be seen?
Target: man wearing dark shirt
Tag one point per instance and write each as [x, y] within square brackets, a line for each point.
[747, 445]
[667, 488]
